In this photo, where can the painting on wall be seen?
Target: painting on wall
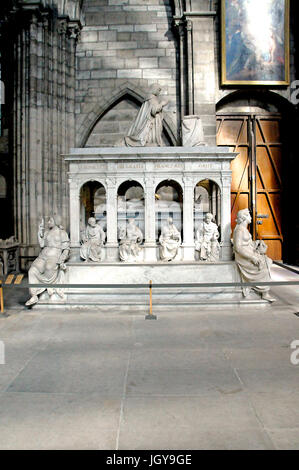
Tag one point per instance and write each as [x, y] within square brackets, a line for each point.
[255, 42]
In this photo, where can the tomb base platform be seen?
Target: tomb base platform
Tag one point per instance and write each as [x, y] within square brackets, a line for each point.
[135, 298]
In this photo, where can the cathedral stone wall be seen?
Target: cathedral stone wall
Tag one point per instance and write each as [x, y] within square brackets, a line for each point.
[124, 42]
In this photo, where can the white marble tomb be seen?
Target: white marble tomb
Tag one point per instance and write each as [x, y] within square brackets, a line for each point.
[108, 169]
[149, 166]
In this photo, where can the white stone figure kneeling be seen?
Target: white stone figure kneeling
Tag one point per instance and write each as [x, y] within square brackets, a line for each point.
[147, 128]
[250, 257]
[130, 242]
[170, 241]
[92, 241]
[49, 266]
[206, 240]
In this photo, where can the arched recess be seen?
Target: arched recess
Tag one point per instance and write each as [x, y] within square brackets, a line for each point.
[168, 203]
[256, 124]
[92, 203]
[130, 204]
[207, 199]
[135, 95]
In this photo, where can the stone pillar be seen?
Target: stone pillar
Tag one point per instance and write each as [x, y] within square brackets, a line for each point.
[203, 77]
[149, 221]
[180, 25]
[226, 251]
[188, 219]
[190, 68]
[44, 119]
[111, 201]
[75, 211]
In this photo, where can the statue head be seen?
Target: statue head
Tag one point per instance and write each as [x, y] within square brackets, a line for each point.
[170, 221]
[243, 215]
[209, 217]
[92, 221]
[54, 221]
[156, 89]
[51, 222]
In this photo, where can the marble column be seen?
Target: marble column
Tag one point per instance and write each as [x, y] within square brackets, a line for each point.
[75, 211]
[226, 250]
[188, 219]
[150, 221]
[112, 223]
[180, 28]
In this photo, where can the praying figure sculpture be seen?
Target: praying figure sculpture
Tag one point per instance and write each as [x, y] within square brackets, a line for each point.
[148, 125]
[92, 241]
[131, 238]
[170, 241]
[206, 240]
[49, 266]
[250, 256]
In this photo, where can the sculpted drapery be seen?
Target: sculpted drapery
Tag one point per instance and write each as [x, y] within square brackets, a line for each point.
[92, 241]
[49, 267]
[250, 256]
[170, 241]
[130, 241]
[148, 126]
[206, 240]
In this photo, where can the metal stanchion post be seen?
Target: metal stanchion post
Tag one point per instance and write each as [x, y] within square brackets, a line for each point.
[150, 316]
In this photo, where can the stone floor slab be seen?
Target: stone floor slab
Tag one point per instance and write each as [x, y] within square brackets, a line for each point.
[193, 423]
[58, 421]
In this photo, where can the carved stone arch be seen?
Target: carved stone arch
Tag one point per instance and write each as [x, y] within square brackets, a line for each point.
[173, 178]
[212, 178]
[87, 179]
[264, 97]
[104, 105]
[135, 178]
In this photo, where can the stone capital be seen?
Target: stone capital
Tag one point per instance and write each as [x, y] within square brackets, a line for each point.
[189, 25]
[62, 25]
[149, 181]
[74, 30]
[188, 181]
[226, 181]
[111, 182]
[179, 25]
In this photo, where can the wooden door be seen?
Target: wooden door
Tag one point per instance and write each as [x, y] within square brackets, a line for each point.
[256, 173]
[269, 183]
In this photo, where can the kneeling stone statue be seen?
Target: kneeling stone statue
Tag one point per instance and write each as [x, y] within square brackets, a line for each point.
[130, 240]
[250, 257]
[49, 267]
